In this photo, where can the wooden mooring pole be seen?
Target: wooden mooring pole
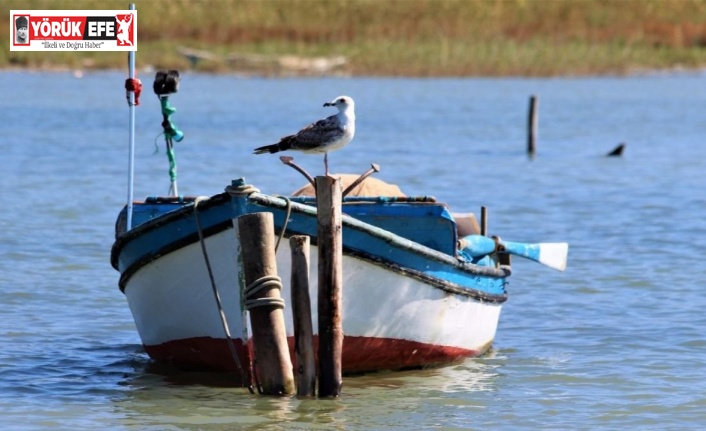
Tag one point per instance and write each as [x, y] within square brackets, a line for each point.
[484, 221]
[330, 244]
[263, 299]
[532, 126]
[301, 313]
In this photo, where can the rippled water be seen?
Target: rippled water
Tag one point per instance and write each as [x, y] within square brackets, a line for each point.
[615, 342]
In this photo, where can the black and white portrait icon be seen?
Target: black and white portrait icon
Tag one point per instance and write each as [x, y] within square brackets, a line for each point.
[21, 30]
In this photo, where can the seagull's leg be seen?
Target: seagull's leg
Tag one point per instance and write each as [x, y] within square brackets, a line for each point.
[326, 163]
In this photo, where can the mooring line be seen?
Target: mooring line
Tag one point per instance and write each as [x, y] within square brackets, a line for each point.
[221, 312]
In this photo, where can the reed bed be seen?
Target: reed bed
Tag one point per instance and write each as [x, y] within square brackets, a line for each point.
[405, 37]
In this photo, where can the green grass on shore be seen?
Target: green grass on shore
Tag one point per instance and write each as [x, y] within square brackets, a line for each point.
[403, 37]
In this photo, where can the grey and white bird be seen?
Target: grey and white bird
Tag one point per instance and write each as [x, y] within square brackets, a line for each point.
[329, 134]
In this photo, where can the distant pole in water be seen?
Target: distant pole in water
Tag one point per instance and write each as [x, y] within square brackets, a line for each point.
[618, 151]
[131, 156]
[532, 126]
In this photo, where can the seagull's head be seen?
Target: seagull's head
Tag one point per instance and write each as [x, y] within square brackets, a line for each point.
[343, 103]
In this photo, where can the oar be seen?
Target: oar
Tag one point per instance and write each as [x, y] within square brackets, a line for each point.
[551, 254]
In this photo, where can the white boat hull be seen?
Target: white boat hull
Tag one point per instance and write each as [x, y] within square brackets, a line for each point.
[390, 320]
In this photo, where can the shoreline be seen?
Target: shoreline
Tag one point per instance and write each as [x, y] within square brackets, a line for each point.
[636, 72]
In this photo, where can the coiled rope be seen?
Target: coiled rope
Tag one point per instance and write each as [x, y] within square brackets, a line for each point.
[242, 190]
[258, 285]
[224, 322]
[269, 280]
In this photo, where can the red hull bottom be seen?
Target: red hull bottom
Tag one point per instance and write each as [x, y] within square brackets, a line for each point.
[360, 354]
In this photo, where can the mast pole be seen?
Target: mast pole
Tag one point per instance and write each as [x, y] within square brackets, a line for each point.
[131, 156]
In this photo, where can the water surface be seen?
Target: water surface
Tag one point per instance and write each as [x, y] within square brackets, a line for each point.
[615, 342]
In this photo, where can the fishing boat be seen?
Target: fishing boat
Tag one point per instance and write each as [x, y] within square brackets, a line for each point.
[422, 286]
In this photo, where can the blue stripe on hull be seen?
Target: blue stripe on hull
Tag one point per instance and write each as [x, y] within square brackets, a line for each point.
[177, 228]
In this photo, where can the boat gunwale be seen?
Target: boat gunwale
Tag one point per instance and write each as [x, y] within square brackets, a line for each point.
[348, 221]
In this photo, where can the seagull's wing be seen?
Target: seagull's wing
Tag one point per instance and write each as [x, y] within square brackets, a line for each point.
[317, 135]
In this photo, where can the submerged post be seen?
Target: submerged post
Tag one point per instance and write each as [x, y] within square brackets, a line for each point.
[265, 305]
[329, 231]
[301, 312]
[532, 127]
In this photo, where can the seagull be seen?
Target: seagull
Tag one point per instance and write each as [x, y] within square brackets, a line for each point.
[328, 134]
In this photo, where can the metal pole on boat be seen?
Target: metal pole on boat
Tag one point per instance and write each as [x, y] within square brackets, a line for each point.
[131, 156]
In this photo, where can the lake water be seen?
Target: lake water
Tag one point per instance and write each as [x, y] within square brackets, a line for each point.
[615, 342]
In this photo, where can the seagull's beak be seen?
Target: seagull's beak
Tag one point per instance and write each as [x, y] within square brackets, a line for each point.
[328, 104]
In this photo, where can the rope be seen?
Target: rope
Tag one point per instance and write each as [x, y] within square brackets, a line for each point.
[286, 221]
[249, 303]
[247, 189]
[261, 283]
[263, 302]
[242, 190]
[233, 353]
[172, 166]
[258, 285]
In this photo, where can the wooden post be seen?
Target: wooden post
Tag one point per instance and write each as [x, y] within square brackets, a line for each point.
[329, 231]
[484, 221]
[265, 304]
[532, 126]
[301, 312]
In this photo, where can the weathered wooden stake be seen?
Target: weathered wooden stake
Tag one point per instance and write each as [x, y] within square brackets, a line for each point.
[532, 126]
[484, 221]
[301, 311]
[265, 304]
[329, 232]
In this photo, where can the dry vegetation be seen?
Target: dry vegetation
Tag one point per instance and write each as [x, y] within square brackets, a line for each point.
[407, 37]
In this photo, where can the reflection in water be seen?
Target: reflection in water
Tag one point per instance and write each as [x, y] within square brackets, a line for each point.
[159, 395]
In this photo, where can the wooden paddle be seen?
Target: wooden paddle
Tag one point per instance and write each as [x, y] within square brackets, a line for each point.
[551, 254]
